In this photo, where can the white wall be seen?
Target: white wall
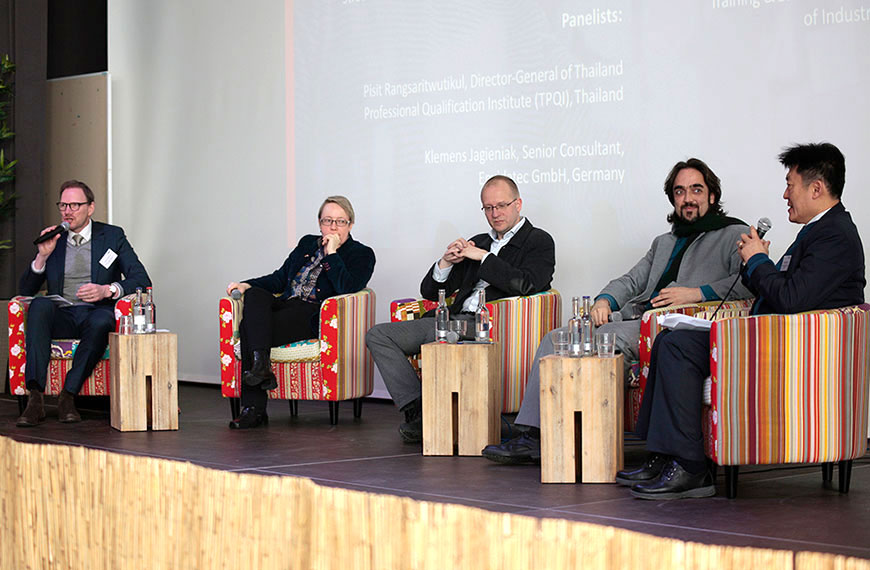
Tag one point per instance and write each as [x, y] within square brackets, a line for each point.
[199, 154]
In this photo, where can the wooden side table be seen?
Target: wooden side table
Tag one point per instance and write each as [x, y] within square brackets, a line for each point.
[592, 387]
[143, 389]
[461, 397]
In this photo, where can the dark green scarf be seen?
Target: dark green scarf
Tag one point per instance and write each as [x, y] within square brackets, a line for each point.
[691, 230]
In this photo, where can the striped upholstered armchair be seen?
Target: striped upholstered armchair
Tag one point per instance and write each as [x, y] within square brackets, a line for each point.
[789, 389]
[62, 350]
[333, 367]
[518, 323]
[649, 328]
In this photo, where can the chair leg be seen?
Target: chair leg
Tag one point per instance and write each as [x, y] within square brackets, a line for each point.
[357, 407]
[22, 403]
[235, 407]
[827, 473]
[731, 481]
[845, 469]
[294, 408]
[333, 413]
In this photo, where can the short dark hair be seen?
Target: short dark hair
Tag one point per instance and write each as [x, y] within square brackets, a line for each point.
[816, 161]
[710, 179]
[89, 194]
[501, 178]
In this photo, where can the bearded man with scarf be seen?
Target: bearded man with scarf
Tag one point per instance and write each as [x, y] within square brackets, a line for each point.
[697, 260]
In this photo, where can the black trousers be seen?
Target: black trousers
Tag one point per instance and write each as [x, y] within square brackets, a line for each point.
[46, 321]
[672, 407]
[266, 322]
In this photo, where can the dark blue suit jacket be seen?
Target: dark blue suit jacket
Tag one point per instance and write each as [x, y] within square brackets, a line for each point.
[826, 270]
[126, 269]
[346, 271]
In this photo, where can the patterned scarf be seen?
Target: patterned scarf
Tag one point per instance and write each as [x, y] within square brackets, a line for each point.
[303, 283]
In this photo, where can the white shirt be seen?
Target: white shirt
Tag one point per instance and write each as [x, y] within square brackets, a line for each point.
[85, 233]
[818, 216]
[440, 275]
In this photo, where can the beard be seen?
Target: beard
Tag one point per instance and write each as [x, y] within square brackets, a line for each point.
[679, 215]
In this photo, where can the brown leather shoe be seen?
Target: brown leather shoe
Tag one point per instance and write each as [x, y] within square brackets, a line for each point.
[34, 412]
[66, 408]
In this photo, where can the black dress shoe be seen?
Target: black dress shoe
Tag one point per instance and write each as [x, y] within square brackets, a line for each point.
[650, 469]
[250, 417]
[524, 448]
[676, 483]
[412, 429]
[35, 410]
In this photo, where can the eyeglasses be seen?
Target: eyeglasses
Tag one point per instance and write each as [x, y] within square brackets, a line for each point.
[330, 221]
[490, 210]
[73, 206]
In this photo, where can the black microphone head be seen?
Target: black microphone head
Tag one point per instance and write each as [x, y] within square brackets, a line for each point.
[236, 294]
[763, 226]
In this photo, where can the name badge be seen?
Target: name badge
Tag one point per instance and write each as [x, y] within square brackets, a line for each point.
[786, 260]
[108, 258]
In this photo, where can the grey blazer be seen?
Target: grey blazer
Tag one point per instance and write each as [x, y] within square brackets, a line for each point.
[711, 260]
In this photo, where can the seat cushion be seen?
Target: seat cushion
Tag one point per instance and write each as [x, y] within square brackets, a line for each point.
[301, 351]
[66, 348]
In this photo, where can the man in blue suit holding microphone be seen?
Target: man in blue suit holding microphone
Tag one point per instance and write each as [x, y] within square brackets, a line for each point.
[90, 265]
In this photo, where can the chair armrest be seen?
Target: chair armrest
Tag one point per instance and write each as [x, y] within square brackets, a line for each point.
[409, 309]
[649, 326]
[123, 306]
[344, 321]
[412, 309]
[531, 316]
[229, 314]
[17, 313]
[790, 388]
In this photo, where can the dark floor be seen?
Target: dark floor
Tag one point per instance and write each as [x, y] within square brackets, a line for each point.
[782, 508]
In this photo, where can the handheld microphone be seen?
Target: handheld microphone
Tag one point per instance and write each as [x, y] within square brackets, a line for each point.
[236, 294]
[62, 227]
[762, 228]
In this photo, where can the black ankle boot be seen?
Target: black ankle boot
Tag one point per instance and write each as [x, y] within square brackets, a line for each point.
[250, 417]
[261, 372]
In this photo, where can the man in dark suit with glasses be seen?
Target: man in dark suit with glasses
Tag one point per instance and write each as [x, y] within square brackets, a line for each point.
[513, 258]
[90, 266]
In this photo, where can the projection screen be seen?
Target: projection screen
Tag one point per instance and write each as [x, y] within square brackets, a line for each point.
[407, 107]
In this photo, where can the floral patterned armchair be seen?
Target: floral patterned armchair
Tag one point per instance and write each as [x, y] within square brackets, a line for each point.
[62, 350]
[334, 366]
